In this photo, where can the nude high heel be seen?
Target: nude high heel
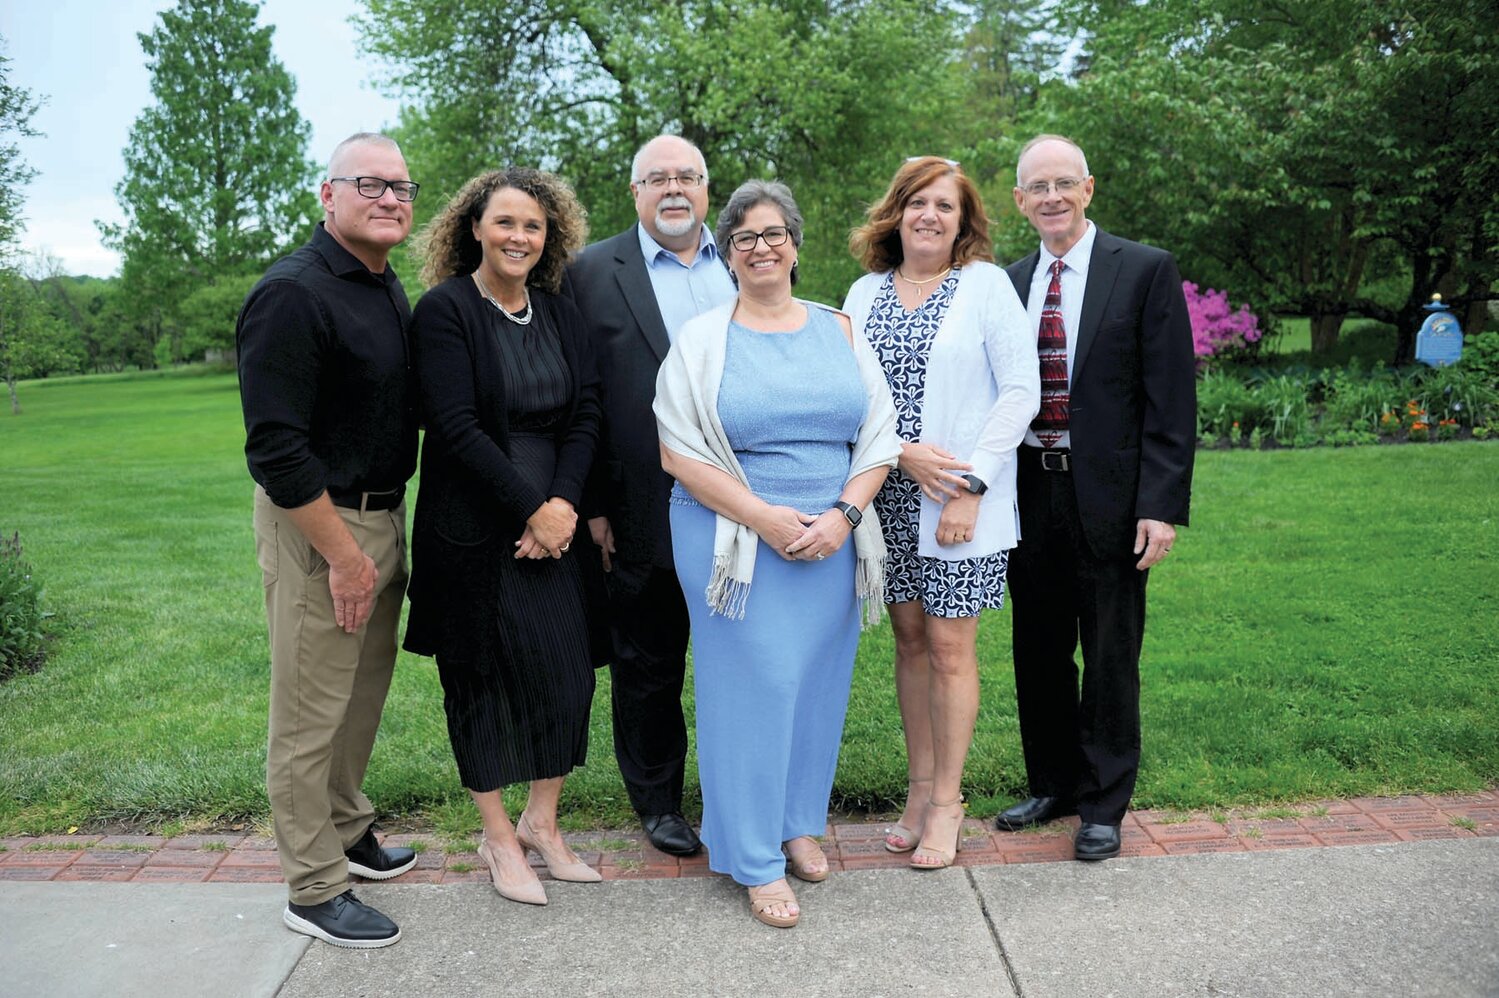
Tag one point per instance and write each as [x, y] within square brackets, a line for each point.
[899, 838]
[522, 887]
[574, 870]
[938, 815]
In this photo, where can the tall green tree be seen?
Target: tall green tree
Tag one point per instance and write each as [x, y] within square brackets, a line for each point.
[17, 106]
[1321, 158]
[829, 95]
[217, 180]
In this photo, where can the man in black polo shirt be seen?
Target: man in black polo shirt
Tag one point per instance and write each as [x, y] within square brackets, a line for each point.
[330, 441]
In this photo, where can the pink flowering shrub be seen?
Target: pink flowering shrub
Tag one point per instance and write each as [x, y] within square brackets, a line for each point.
[1218, 333]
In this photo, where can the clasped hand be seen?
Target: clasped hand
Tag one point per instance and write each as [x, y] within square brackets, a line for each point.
[549, 530]
[798, 536]
[937, 472]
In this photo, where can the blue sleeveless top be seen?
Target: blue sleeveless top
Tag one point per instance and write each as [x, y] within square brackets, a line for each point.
[791, 405]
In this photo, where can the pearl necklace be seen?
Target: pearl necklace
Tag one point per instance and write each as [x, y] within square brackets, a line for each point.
[524, 319]
[920, 286]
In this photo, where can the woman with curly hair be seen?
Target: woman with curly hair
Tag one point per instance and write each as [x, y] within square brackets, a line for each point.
[509, 396]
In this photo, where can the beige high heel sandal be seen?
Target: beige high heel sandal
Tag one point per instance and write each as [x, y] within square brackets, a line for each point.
[525, 888]
[803, 869]
[899, 838]
[944, 857]
[573, 871]
[766, 897]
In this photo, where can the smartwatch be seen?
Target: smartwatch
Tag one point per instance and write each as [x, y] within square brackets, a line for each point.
[975, 484]
[850, 512]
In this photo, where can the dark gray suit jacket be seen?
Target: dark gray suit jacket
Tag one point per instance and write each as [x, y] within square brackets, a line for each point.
[612, 289]
[1133, 418]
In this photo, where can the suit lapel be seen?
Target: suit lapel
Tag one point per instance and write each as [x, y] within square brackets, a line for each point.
[1103, 270]
[1021, 275]
[635, 284]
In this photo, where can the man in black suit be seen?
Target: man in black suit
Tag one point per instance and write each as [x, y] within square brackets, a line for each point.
[1104, 473]
[635, 290]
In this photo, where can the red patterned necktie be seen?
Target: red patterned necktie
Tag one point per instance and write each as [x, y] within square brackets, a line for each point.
[1051, 345]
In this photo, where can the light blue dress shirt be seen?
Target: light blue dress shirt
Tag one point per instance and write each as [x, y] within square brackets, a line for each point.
[683, 292]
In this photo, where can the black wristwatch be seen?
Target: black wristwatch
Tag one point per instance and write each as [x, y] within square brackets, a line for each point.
[850, 512]
[975, 484]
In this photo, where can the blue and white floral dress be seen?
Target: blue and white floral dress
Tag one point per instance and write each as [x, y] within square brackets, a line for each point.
[903, 342]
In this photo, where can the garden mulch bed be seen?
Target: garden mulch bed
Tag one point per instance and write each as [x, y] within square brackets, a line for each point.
[850, 845]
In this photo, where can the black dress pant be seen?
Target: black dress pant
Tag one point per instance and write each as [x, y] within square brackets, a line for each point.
[1078, 744]
[648, 629]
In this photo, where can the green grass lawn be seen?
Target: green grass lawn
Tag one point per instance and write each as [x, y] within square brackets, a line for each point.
[1327, 627]
[1362, 340]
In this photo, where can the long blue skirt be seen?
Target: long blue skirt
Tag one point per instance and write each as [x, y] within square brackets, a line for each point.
[772, 691]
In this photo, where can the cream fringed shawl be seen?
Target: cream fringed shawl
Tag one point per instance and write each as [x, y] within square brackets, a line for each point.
[686, 410]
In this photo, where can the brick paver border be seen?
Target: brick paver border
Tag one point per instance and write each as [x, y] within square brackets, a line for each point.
[626, 855]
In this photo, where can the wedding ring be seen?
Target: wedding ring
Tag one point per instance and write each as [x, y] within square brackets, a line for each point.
[821, 556]
[566, 546]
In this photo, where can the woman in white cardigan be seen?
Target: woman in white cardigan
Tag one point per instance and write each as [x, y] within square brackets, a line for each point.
[961, 363]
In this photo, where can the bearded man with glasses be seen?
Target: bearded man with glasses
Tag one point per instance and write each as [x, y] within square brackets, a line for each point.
[331, 439]
[635, 289]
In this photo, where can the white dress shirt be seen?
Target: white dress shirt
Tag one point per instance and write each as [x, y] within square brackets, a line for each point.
[1074, 281]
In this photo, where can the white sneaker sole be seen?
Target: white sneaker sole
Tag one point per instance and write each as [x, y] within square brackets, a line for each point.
[360, 870]
[298, 924]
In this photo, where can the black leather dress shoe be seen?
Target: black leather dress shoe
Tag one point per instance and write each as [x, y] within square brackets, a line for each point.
[342, 921]
[1033, 811]
[671, 834]
[372, 861]
[1096, 841]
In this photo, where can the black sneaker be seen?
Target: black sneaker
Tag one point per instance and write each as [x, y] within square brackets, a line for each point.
[342, 921]
[372, 861]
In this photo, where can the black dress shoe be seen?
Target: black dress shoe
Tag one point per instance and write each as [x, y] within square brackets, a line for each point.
[1033, 811]
[372, 861]
[1096, 841]
[671, 834]
[342, 921]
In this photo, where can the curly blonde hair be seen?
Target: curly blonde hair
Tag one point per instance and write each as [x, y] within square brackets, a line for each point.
[447, 244]
[876, 244]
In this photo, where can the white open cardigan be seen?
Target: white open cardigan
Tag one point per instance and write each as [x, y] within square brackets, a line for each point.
[686, 409]
[983, 388]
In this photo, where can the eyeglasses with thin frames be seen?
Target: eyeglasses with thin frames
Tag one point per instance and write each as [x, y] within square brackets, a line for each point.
[1063, 185]
[686, 180]
[744, 240]
[374, 187]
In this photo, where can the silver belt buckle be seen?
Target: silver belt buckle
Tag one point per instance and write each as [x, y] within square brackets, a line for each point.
[1055, 461]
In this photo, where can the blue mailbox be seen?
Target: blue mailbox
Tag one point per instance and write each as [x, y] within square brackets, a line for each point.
[1440, 341]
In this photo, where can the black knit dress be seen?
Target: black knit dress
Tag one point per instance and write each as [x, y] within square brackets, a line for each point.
[519, 683]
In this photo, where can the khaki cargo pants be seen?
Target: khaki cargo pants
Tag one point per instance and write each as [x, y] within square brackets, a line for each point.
[327, 691]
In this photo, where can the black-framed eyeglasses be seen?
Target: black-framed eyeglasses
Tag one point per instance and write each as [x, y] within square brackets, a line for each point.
[374, 187]
[1064, 185]
[744, 240]
[687, 180]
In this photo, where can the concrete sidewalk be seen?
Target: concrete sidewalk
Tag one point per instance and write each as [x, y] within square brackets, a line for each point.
[1418, 918]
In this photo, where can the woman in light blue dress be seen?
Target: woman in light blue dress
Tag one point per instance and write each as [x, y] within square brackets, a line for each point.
[778, 426]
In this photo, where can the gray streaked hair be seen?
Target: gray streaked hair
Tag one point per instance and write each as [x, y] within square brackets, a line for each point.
[746, 196]
[635, 176]
[1047, 138]
[358, 139]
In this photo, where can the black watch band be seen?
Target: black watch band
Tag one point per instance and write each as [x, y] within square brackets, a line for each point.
[975, 484]
[850, 512]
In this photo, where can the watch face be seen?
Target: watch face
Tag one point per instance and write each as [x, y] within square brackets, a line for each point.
[851, 513]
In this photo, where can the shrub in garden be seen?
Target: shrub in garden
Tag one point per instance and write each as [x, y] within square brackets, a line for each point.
[1359, 405]
[1220, 333]
[21, 617]
[1287, 409]
[1226, 407]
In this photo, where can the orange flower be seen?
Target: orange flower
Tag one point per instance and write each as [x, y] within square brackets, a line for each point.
[1419, 426]
[1447, 422]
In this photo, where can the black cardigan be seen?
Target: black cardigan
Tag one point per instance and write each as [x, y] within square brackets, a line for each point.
[473, 503]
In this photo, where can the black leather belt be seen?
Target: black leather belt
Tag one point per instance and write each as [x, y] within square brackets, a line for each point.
[1049, 458]
[365, 501]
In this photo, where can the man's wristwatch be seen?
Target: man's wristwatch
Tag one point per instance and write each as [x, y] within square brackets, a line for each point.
[975, 484]
[850, 512]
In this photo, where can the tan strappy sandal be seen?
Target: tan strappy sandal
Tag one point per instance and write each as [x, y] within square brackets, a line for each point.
[766, 897]
[899, 838]
[807, 867]
[943, 857]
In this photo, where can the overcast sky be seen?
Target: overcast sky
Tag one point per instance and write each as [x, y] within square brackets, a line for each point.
[84, 58]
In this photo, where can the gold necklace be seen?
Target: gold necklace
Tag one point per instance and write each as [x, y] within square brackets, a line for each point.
[921, 285]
